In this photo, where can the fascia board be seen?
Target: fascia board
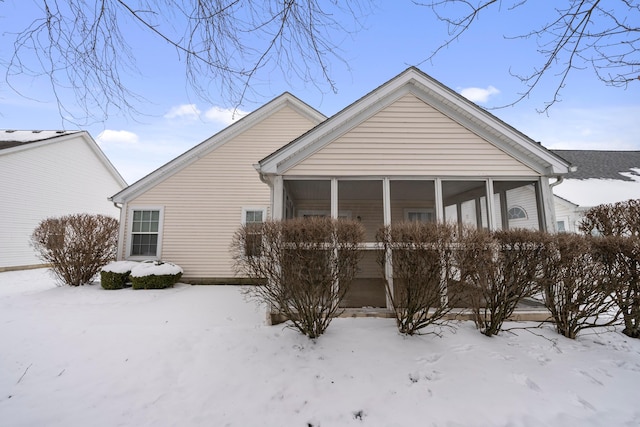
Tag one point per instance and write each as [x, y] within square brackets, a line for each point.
[103, 158]
[214, 142]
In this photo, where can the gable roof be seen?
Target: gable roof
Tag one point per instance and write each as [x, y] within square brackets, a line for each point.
[602, 164]
[17, 138]
[12, 141]
[217, 140]
[450, 103]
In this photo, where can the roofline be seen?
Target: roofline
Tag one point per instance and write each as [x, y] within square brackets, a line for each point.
[93, 145]
[453, 104]
[212, 143]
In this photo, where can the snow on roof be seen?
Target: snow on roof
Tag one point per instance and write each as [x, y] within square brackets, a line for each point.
[13, 138]
[601, 177]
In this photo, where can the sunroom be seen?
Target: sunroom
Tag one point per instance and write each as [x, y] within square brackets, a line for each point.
[412, 150]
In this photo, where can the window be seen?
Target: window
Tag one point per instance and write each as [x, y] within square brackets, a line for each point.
[145, 232]
[561, 226]
[419, 215]
[517, 212]
[253, 219]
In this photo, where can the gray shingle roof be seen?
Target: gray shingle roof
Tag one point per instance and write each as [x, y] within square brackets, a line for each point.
[602, 164]
[15, 138]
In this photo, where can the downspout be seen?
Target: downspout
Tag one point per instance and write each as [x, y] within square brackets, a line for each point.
[119, 256]
[559, 180]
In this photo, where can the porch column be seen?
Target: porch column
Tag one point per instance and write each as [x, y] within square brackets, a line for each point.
[334, 198]
[277, 199]
[439, 201]
[546, 210]
[386, 218]
[491, 217]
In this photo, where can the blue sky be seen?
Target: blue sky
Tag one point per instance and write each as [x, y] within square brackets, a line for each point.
[395, 35]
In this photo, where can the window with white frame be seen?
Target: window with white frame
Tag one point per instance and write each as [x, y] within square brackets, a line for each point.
[419, 215]
[253, 218]
[516, 212]
[145, 232]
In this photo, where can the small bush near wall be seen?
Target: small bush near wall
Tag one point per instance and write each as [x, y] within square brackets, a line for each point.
[115, 275]
[307, 265]
[76, 246]
[155, 275]
[497, 271]
[421, 255]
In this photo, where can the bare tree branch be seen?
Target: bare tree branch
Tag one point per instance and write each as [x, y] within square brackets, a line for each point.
[604, 36]
[85, 46]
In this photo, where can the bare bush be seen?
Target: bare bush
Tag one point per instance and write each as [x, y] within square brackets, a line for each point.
[619, 251]
[497, 271]
[616, 219]
[76, 246]
[421, 271]
[305, 266]
[574, 286]
[620, 259]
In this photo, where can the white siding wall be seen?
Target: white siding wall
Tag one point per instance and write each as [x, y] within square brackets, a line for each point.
[50, 180]
[410, 137]
[203, 202]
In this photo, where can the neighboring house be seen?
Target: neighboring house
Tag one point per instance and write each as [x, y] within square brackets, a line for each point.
[601, 177]
[412, 149]
[48, 174]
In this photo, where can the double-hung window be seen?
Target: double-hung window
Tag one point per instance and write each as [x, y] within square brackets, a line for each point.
[253, 218]
[145, 232]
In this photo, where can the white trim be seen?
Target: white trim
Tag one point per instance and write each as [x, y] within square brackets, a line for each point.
[321, 212]
[130, 211]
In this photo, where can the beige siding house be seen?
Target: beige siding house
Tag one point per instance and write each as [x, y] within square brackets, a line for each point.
[412, 149]
[188, 210]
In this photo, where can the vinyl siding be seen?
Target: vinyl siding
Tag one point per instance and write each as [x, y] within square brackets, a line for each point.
[60, 178]
[410, 137]
[203, 202]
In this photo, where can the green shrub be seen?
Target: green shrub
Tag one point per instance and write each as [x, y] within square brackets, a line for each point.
[155, 282]
[155, 275]
[110, 280]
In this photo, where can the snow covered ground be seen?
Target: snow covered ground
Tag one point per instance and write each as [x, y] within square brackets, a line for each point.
[202, 356]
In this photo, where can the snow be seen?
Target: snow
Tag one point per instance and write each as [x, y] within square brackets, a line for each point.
[203, 356]
[155, 268]
[120, 267]
[593, 192]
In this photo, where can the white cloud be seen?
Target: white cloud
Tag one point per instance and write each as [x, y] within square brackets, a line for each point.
[184, 111]
[123, 137]
[479, 95]
[225, 116]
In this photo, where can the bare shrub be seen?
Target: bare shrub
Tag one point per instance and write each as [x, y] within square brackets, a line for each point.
[497, 271]
[76, 246]
[305, 266]
[574, 286]
[616, 219]
[421, 271]
[620, 259]
[619, 251]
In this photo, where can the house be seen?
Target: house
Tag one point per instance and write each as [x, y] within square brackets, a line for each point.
[48, 174]
[600, 177]
[412, 149]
